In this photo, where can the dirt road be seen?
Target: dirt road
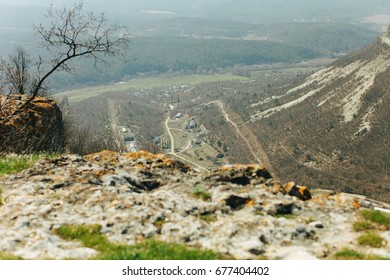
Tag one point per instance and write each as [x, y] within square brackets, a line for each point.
[244, 132]
[172, 152]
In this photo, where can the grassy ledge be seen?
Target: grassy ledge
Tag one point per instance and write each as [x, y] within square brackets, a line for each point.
[376, 217]
[371, 220]
[370, 223]
[13, 163]
[363, 226]
[150, 249]
[6, 256]
[350, 254]
[371, 239]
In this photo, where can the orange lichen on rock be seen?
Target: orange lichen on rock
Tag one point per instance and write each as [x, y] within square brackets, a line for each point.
[242, 166]
[30, 125]
[345, 200]
[101, 173]
[356, 204]
[250, 202]
[241, 174]
[278, 188]
[103, 157]
[289, 186]
[301, 192]
[321, 199]
[146, 155]
[44, 103]
[162, 159]
[140, 159]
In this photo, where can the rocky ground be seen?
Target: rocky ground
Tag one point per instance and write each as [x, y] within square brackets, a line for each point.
[238, 210]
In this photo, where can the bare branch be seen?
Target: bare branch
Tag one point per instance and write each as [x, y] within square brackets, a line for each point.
[75, 33]
[72, 33]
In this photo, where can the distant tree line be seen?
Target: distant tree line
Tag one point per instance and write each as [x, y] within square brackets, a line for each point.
[151, 56]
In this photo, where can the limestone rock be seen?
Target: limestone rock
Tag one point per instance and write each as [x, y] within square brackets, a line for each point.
[38, 126]
[240, 174]
[135, 196]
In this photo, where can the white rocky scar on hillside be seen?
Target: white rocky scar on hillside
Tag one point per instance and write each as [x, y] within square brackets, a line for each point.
[317, 80]
[364, 79]
[385, 38]
[139, 195]
[361, 77]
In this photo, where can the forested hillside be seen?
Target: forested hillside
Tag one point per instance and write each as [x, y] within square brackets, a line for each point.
[151, 55]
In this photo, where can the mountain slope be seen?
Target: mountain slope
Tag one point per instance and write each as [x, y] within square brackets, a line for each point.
[333, 130]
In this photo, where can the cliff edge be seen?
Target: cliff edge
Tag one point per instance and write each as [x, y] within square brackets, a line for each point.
[239, 211]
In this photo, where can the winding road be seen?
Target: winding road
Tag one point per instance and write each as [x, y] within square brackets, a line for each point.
[244, 132]
[172, 152]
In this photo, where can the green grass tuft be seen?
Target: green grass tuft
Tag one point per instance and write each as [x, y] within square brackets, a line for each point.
[377, 217]
[349, 254]
[158, 250]
[202, 194]
[210, 218]
[362, 226]
[150, 249]
[89, 235]
[6, 256]
[371, 239]
[15, 163]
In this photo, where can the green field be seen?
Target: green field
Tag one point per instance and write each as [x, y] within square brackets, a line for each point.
[147, 83]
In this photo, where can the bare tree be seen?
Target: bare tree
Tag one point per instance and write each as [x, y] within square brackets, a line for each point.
[72, 33]
[18, 71]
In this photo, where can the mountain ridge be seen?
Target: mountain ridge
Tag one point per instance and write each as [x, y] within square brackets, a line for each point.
[340, 117]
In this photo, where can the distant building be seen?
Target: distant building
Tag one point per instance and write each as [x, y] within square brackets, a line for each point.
[157, 140]
[192, 124]
[178, 116]
[196, 142]
[128, 138]
[132, 147]
[165, 144]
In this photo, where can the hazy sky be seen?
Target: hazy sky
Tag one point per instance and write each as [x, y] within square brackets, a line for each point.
[32, 2]
[46, 3]
[254, 11]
